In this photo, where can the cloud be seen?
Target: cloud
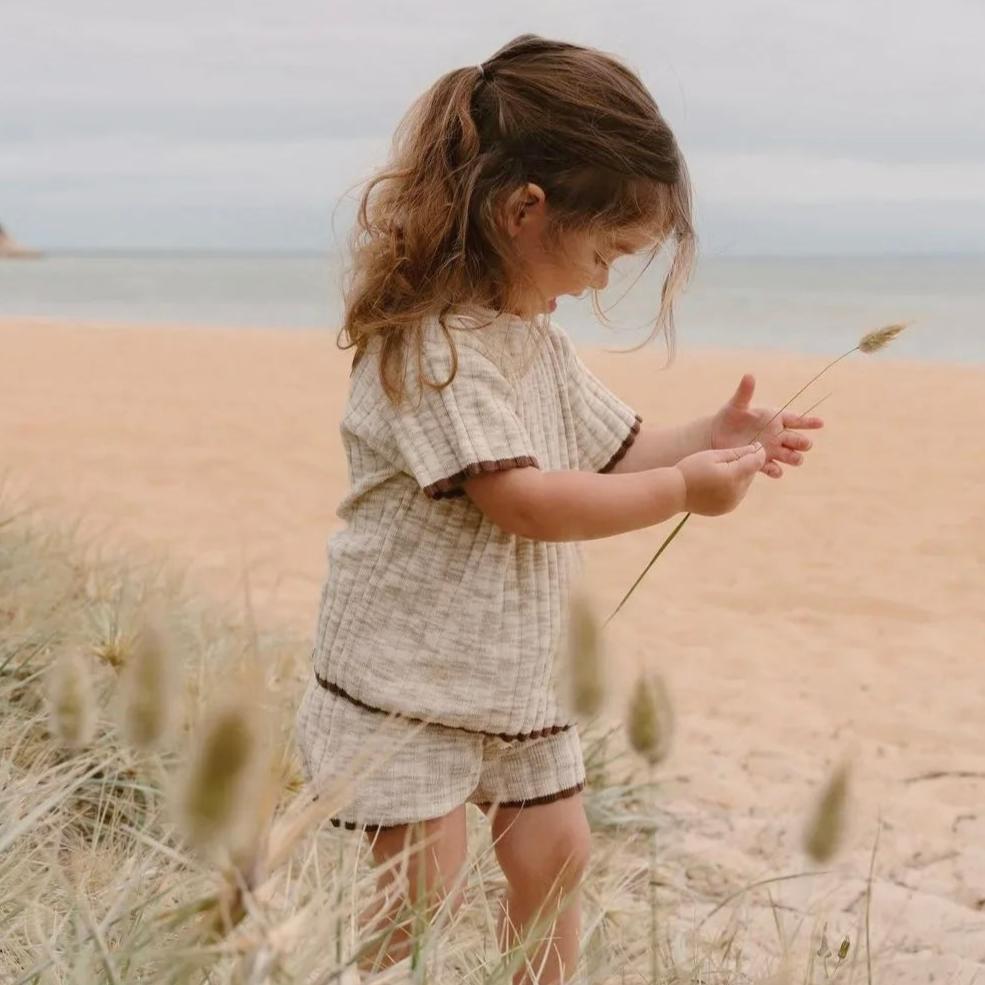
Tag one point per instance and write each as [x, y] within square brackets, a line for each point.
[111, 110]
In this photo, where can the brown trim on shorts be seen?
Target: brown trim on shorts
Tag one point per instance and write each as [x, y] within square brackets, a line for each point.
[624, 447]
[450, 486]
[534, 801]
[530, 802]
[352, 825]
[519, 736]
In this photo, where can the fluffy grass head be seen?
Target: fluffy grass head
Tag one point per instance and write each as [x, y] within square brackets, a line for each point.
[826, 827]
[584, 683]
[650, 717]
[879, 337]
[71, 700]
[150, 686]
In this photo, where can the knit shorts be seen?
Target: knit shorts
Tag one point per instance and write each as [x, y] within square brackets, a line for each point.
[403, 770]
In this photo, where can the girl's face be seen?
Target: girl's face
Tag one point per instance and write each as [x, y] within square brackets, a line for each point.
[580, 264]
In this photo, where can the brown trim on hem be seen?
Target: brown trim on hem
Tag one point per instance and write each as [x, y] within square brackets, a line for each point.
[352, 825]
[450, 485]
[535, 801]
[529, 802]
[624, 447]
[519, 736]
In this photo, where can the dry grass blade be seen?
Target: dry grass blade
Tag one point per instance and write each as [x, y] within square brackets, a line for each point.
[868, 902]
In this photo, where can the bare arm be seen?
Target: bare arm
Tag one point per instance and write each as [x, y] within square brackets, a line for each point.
[659, 447]
[577, 505]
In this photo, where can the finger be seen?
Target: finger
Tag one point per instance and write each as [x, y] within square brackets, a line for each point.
[743, 393]
[734, 454]
[794, 420]
[799, 441]
[790, 457]
[751, 461]
[772, 470]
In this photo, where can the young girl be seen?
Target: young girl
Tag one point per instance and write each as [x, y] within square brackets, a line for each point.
[481, 450]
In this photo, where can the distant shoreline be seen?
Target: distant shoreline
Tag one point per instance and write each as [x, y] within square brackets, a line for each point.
[150, 254]
[689, 350]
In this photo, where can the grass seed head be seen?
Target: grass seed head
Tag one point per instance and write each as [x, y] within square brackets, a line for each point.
[879, 337]
[650, 718]
[71, 701]
[586, 685]
[827, 823]
[220, 777]
[149, 686]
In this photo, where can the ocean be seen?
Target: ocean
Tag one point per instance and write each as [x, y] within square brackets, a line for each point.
[816, 305]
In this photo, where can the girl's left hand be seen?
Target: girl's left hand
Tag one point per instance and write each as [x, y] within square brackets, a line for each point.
[737, 423]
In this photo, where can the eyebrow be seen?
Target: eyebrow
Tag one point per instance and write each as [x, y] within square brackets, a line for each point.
[625, 247]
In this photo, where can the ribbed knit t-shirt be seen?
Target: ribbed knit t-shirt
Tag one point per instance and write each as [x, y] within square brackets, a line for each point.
[429, 609]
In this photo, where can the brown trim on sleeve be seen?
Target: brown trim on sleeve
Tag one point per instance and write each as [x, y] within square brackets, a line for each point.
[534, 801]
[537, 734]
[450, 486]
[624, 447]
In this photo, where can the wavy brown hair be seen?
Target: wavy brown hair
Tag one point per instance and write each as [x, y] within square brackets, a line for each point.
[430, 235]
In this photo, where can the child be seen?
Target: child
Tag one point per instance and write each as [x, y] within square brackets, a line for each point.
[481, 450]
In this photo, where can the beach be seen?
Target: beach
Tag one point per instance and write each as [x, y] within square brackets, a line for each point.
[837, 613]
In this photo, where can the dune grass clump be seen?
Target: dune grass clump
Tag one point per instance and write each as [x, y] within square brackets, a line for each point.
[176, 840]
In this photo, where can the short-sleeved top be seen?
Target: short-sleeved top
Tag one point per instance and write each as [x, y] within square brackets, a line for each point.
[429, 609]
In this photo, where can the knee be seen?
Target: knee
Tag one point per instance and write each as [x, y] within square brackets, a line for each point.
[559, 861]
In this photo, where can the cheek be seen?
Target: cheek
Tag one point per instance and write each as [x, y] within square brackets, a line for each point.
[578, 268]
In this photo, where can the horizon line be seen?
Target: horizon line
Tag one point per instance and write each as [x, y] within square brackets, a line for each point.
[150, 252]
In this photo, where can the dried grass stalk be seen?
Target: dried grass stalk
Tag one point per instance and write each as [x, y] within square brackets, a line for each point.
[870, 342]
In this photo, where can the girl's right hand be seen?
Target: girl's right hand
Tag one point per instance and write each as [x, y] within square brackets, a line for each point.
[717, 479]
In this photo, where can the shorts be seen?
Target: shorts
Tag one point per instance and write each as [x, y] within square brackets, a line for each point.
[404, 770]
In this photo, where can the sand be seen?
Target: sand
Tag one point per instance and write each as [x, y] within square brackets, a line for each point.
[837, 612]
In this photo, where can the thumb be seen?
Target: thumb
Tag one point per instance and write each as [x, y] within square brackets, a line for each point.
[749, 458]
[743, 392]
[742, 452]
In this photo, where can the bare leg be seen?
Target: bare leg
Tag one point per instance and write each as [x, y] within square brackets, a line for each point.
[543, 851]
[437, 852]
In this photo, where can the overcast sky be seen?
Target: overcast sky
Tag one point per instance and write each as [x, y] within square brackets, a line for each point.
[843, 126]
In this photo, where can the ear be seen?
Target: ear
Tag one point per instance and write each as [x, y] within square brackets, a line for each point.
[526, 206]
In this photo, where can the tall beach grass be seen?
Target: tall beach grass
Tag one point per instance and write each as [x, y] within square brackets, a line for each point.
[155, 825]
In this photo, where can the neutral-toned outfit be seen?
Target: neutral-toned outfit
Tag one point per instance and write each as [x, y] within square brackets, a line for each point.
[432, 613]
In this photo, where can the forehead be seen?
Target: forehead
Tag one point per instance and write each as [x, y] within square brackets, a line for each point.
[631, 239]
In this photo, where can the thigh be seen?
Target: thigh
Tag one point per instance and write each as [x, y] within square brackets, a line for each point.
[436, 850]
